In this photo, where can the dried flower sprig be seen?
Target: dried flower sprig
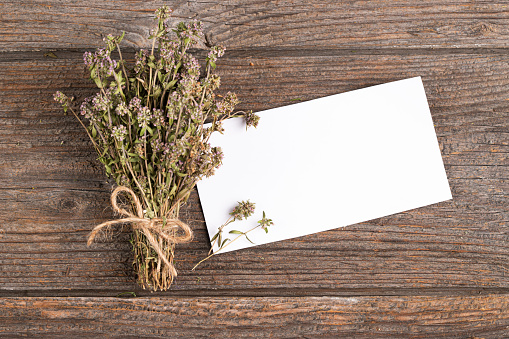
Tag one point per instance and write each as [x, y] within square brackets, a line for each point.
[243, 210]
[147, 124]
[265, 223]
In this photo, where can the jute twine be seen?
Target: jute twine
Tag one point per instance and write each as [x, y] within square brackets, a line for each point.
[151, 228]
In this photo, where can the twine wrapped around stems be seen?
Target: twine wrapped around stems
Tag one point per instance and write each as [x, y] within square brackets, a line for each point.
[165, 228]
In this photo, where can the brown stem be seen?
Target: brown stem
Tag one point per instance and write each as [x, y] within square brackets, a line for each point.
[146, 166]
[150, 78]
[86, 129]
[123, 68]
[134, 177]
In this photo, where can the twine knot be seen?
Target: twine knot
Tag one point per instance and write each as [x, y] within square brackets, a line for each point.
[165, 228]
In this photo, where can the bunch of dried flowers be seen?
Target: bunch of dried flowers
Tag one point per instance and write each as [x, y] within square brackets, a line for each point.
[147, 123]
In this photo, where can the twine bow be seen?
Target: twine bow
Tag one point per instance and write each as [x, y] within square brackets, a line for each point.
[164, 228]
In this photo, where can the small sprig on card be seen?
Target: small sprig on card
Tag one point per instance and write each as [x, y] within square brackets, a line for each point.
[243, 210]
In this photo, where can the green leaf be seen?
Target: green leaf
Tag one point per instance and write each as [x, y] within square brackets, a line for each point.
[173, 190]
[98, 82]
[126, 295]
[151, 65]
[172, 83]
[224, 241]
[214, 237]
[142, 131]
[248, 239]
[112, 162]
[155, 136]
[266, 230]
[183, 193]
[120, 38]
[50, 55]
[150, 130]
[157, 92]
[181, 174]
[236, 232]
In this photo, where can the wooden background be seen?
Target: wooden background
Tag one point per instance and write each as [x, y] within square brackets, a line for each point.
[439, 271]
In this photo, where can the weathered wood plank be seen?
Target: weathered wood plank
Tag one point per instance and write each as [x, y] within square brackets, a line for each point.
[52, 191]
[322, 317]
[35, 24]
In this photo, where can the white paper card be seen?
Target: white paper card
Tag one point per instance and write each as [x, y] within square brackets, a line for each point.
[328, 163]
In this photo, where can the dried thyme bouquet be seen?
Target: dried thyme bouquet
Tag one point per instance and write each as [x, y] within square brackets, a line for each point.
[147, 126]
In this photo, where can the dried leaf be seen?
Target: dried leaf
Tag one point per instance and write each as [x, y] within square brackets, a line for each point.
[50, 55]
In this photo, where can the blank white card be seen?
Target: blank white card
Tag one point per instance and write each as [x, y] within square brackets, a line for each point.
[328, 163]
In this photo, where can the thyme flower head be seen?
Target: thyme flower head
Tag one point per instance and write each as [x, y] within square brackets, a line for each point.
[119, 133]
[135, 104]
[102, 60]
[215, 52]
[60, 97]
[63, 99]
[86, 109]
[144, 116]
[122, 109]
[243, 210]
[251, 119]
[163, 13]
[102, 102]
[140, 61]
[190, 32]
[265, 223]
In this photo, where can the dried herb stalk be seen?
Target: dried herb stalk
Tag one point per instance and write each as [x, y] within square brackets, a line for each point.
[146, 123]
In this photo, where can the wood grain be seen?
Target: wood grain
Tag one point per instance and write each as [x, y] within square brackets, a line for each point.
[322, 317]
[53, 192]
[435, 272]
[36, 24]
